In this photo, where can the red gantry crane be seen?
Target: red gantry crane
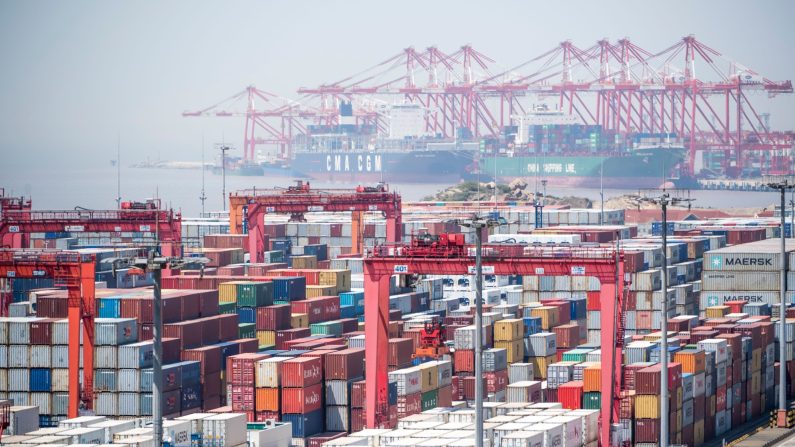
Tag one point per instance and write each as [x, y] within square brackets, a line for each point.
[75, 271]
[452, 257]
[247, 209]
[147, 217]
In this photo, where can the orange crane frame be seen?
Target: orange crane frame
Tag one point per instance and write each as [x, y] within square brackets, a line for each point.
[248, 207]
[501, 259]
[76, 272]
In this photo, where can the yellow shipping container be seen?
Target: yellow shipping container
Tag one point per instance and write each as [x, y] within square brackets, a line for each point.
[647, 406]
[548, 314]
[540, 365]
[698, 432]
[266, 338]
[340, 279]
[227, 292]
[514, 348]
[429, 377]
[299, 321]
[509, 329]
[717, 311]
[305, 262]
[316, 291]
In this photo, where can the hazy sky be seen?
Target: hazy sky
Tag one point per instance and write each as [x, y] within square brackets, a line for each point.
[74, 73]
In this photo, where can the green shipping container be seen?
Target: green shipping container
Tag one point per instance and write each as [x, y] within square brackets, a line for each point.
[227, 308]
[247, 330]
[430, 400]
[274, 256]
[592, 401]
[333, 328]
[254, 294]
[576, 355]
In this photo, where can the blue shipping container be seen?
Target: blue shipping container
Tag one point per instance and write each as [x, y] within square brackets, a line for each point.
[355, 299]
[577, 308]
[319, 250]
[305, 424]
[289, 288]
[190, 371]
[109, 307]
[40, 380]
[532, 325]
[191, 396]
[228, 348]
[392, 393]
[172, 378]
[347, 312]
[246, 314]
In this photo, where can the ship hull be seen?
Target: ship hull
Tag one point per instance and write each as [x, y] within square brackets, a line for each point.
[436, 166]
[644, 168]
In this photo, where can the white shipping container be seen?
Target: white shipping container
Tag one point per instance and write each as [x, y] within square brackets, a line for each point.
[267, 372]
[195, 420]
[553, 433]
[590, 424]
[224, 430]
[40, 356]
[18, 380]
[129, 404]
[718, 346]
[115, 331]
[106, 404]
[81, 421]
[3, 356]
[709, 298]
[19, 356]
[572, 429]
[278, 435]
[523, 438]
[3, 330]
[129, 380]
[43, 401]
[60, 379]
[541, 345]
[19, 329]
[85, 435]
[21, 399]
[177, 432]
[111, 427]
[408, 380]
[744, 280]
[105, 357]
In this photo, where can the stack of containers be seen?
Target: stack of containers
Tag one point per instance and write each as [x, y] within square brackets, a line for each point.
[270, 320]
[241, 375]
[541, 349]
[302, 389]
[508, 335]
[342, 369]
[495, 370]
[647, 403]
[248, 297]
[268, 403]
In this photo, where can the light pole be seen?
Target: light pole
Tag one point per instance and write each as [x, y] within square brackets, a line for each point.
[664, 200]
[477, 224]
[782, 184]
[223, 150]
[155, 264]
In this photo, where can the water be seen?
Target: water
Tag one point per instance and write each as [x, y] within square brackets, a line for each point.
[95, 187]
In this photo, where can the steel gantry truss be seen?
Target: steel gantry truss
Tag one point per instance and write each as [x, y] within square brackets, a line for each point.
[164, 225]
[247, 209]
[617, 85]
[76, 272]
[502, 259]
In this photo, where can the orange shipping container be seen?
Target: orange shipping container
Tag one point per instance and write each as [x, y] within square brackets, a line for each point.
[267, 399]
[592, 378]
[692, 361]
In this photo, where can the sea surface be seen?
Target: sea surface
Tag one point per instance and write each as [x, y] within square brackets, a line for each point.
[95, 187]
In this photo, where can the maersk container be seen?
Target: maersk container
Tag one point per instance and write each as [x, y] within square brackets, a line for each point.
[709, 298]
[227, 430]
[106, 380]
[115, 331]
[305, 425]
[178, 433]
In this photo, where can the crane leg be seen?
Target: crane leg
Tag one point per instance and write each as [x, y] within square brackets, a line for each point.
[376, 328]
[612, 355]
[357, 231]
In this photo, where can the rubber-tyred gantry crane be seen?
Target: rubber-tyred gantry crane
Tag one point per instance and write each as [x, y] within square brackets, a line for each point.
[75, 271]
[454, 258]
[247, 209]
[165, 225]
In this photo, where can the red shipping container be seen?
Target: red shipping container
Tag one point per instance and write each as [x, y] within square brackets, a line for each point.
[210, 330]
[319, 439]
[52, 307]
[647, 380]
[395, 315]
[211, 384]
[302, 372]
[241, 368]
[358, 390]
[648, 430]
[145, 332]
[496, 381]
[457, 388]
[345, 365]
[243, 398]
[41, 331]
[349, 324]
[720, 398]
[273, 318]
[188, 332]
[464, 360]
[593, 302]
[302, 400]
[209, 357]
[211, 402]
[400, 351]
[358, 419]
[262, 416]
[171, 350]
[275, 229]
[445, 396]
[469, 388]
[322, 308]
[290, 334]
[226, 241]
[570, 394]
[247, 345]
[409, 404]
[227, 327]
[234, 269]
[567, 335]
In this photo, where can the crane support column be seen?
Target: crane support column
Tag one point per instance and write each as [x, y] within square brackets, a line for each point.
[357, 232]
[611, 351]
[376, 313]
[256, 235]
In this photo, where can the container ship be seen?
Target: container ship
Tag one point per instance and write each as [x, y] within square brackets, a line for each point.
[546, 144]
